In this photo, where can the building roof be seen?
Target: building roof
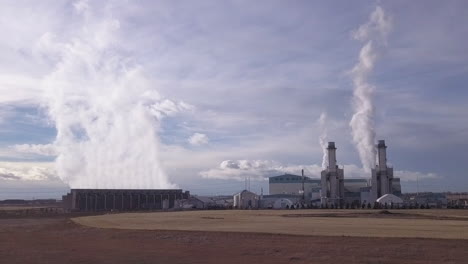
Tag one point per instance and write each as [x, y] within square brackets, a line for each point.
[291, 178]
[245, 191]
[282, 195]
[203, 199]
[389, 198]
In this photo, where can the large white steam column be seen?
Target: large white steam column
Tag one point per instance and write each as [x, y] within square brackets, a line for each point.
[323, 138]
[105, 111]
[373, 34]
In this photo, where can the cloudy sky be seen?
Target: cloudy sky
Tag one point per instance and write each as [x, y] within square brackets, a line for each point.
[202, 94]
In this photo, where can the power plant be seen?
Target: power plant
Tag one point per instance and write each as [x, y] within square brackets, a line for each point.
[381, 183]
[332, 179]
[382, 176]
[332, 190]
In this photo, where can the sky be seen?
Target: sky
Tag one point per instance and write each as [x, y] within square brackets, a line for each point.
[201, 95]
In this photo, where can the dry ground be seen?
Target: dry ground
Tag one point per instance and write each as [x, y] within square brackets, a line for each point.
[447, 224]
[59, 240]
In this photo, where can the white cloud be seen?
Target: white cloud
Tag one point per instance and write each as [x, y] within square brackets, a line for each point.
[198, 139]
[257, 170]
[169, 108]
[261, 169]
[256, 89]
[415, 175]
[39, 149]
[27, 171]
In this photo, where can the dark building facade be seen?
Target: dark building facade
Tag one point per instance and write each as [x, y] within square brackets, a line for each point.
[122, 200]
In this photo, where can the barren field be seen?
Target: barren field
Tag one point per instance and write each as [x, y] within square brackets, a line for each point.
[59, 240]
[446, 224]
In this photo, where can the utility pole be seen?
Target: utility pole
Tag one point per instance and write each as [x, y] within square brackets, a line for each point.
[303, 179]
[417, 185]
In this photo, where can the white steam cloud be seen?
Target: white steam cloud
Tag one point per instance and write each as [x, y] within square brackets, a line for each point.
[373, 33]
[105, 111]
[198, 139]
[323, 138]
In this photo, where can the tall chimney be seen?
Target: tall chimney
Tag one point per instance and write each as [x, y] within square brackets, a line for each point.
[331, 156]
[382, 153]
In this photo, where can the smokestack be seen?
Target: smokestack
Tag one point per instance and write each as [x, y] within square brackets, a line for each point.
[382, 155]
[331, 156]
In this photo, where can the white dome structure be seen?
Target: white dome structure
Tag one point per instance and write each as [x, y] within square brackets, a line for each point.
[282, 203]
[389, 199]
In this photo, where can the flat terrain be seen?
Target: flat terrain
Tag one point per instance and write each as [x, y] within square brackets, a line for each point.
[58, 239]
[447, 224]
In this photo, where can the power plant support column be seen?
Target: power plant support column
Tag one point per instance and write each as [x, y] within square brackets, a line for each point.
[382, 175]
[332, 180]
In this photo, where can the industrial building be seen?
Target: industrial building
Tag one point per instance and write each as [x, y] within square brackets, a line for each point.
[382, 175]
[122, 200]
[294, 185]
[280, 201]
[332, 179]
[246, 200]
[333, 188]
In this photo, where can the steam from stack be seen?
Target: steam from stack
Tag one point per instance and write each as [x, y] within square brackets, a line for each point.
[105, 111]
[323, 138]
[373, 34]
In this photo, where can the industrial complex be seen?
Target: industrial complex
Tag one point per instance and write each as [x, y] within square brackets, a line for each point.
[332, 190]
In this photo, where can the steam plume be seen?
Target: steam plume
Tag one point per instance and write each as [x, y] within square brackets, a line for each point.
[323, 138]
[373, 34]
[105, 111]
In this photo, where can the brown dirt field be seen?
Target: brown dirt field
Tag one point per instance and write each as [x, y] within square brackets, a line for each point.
[60, 240]
[364, 223]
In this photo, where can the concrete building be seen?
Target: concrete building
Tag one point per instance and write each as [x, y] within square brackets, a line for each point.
[223, 201]
[293, 185]
[198, 202]
[332, 180]
[353, 190]
[288, 186]
[246, 200]
[366, 192]
[457, 200]
[280, 201]
[122, 200]
[382, 175]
